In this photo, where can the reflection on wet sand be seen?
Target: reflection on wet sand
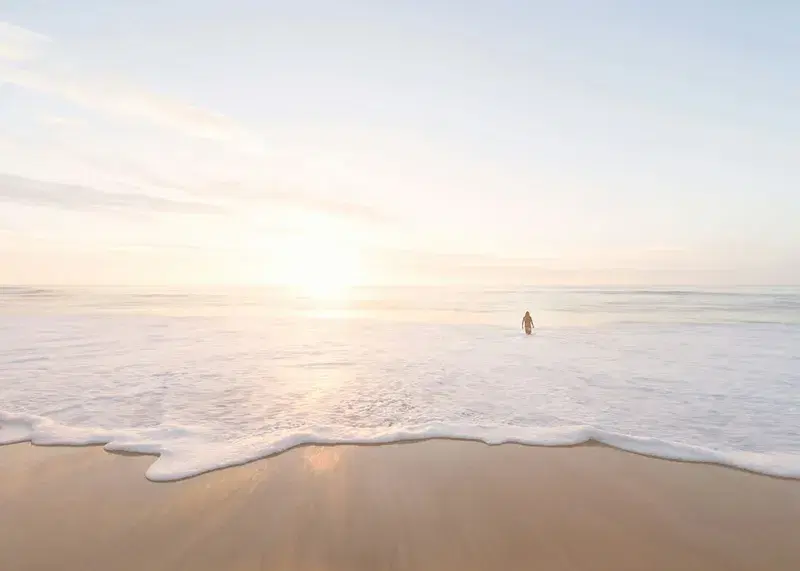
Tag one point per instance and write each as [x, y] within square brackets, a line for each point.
[444, 505]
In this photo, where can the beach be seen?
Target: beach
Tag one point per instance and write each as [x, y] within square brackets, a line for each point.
[361, 286]
[437, 504]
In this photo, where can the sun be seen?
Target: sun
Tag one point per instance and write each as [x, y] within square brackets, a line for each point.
[320, 267]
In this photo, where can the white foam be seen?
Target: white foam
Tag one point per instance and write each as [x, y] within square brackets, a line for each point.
[182, 453]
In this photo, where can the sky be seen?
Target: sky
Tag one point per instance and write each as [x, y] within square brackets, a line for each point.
[359, 142]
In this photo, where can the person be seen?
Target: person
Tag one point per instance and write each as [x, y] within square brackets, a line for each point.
[527, 323]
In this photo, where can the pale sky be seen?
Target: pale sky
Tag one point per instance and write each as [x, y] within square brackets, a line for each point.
[520, 142]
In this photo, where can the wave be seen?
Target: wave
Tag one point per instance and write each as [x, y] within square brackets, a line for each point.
[28, 292]
[187, 451]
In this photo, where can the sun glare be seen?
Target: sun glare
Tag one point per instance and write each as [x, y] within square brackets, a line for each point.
[321, 268]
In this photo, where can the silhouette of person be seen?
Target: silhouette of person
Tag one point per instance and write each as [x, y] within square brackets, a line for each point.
[527, 323]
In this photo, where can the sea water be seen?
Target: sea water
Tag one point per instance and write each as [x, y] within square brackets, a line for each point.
[212, 378]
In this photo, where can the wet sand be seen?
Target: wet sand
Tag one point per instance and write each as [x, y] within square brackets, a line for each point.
[437, 505]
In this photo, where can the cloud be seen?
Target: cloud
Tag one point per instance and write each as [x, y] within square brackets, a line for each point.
[117, 98]
[302, 200]
[108, 95]
[332, 206]
[406, 266]
[19, 44]
[42, 73]
[433, 260]
[60, 121]
[21, 190]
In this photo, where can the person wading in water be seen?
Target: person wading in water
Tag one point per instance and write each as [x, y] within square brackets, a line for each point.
[527, 323]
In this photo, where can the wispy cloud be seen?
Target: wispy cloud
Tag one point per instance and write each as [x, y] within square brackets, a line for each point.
[416, 266]
[331, 206]
[295, 198]
[19, 44]
[116, 98]
[30, 65]
[60, 121]
[104, 94]
[21, 190]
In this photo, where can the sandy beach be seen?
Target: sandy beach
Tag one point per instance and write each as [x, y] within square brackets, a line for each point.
[427, 505]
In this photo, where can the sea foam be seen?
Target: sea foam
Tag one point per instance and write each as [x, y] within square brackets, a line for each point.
[181, 452]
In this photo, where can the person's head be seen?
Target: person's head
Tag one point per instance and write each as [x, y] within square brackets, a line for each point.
[527, 314]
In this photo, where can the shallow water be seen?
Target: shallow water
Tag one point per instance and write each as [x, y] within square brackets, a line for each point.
[218, 377]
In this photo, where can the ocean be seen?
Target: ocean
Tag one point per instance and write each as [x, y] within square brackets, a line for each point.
[209, 378]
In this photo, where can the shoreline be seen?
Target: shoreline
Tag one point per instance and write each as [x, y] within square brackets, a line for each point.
[443, 504]
[774, 465]
[588, 443]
